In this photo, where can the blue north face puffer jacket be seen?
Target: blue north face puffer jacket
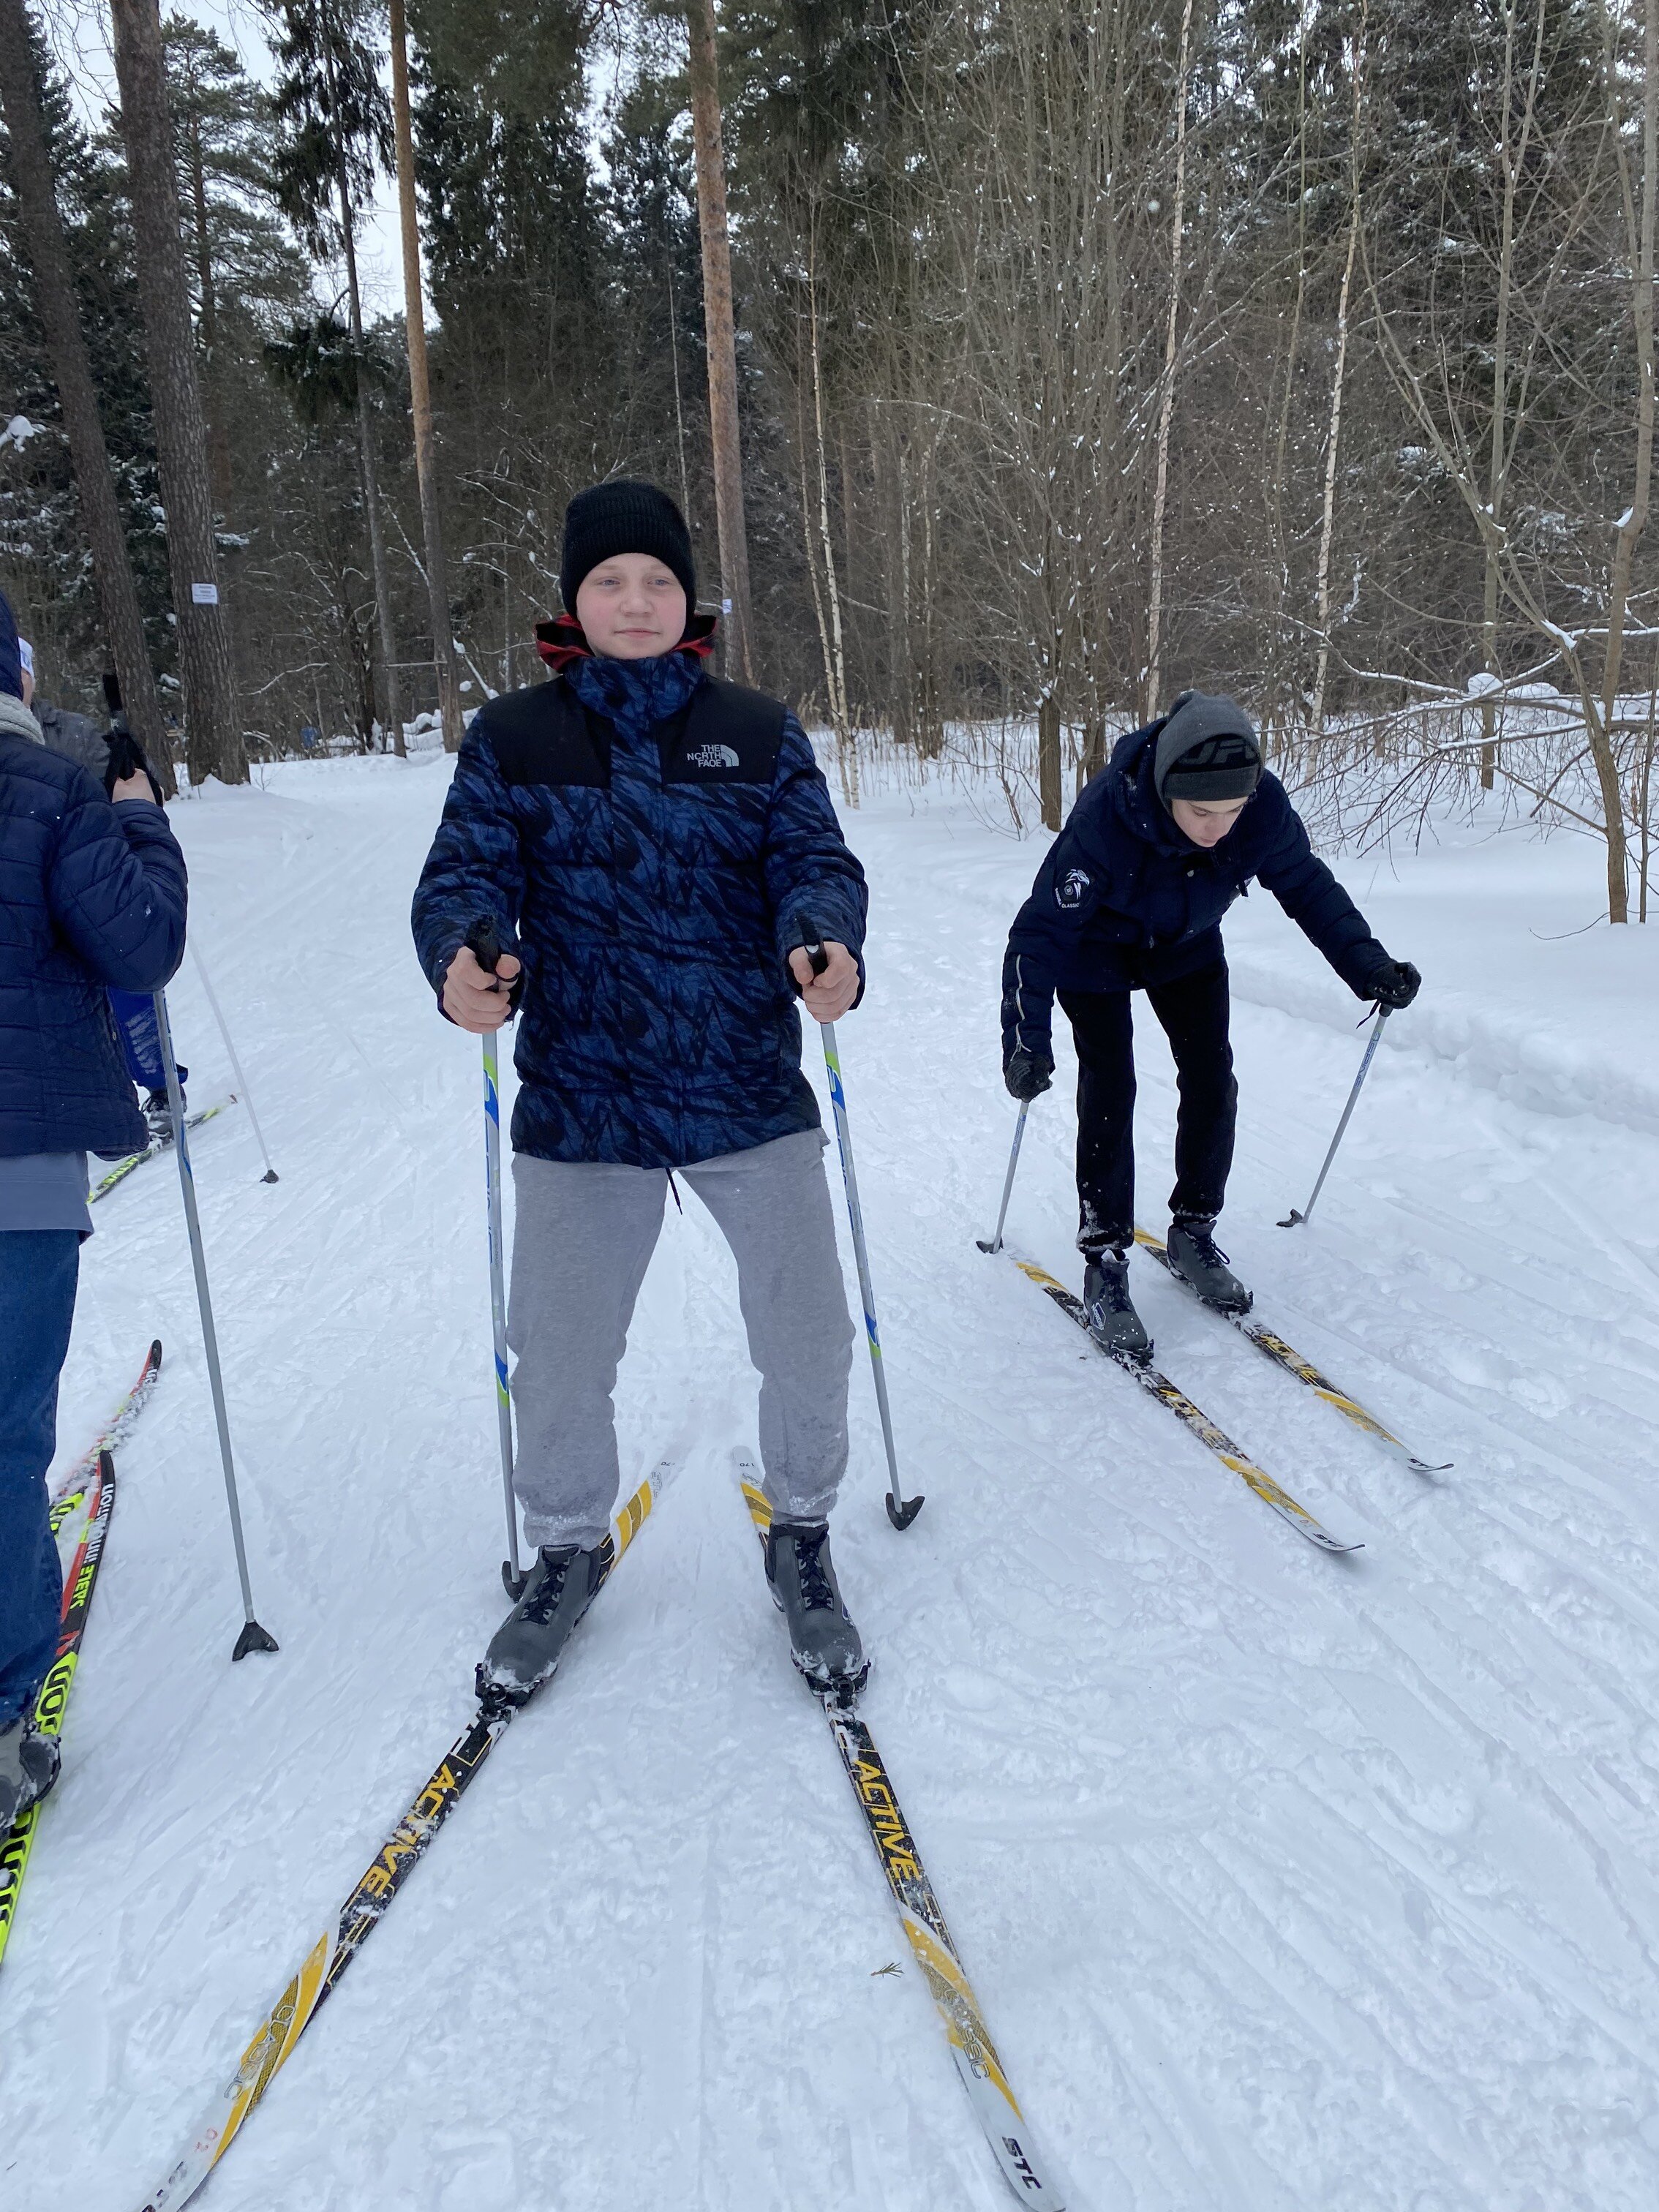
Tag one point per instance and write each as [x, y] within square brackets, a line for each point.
[644, 839]
[1124, 900]
[90, 895]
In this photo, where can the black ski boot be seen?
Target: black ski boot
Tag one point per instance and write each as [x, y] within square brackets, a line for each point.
[28, 1767]
[158, 1117]
[1113, 1323]
[526, 1647]
[1194, 1257]
[823, 1642]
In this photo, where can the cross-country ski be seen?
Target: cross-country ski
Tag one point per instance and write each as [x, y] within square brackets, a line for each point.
[922, 635]
[1005, 2127]
[1303, 1369]
[152, 1149]
[1164, 1393]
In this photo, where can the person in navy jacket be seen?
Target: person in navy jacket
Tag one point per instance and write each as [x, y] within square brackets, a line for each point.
[92, 895]
[1130, 898]
[653, 848]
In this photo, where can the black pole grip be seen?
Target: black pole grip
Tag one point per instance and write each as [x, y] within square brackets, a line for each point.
[813, 946]
[483, 942]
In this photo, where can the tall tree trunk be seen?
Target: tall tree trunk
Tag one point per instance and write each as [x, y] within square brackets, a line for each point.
[1166, 403]
[394, 718]
[213, 735]
[54, 295]
[719, 333]
[1500, 446]
[1334, 427]
[420, 399]
[208, 321]
[836, 663]
[1048, 760]
[1634, 519]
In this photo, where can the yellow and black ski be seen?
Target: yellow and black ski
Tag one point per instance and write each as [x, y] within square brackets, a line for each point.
[87, 1506]
[274, 2039]
[1285, 1356]
[930, 1940]
[152, 1149]
[1195, 1423]
[81, 1503]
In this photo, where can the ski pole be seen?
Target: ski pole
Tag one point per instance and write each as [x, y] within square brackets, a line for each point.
[995, 1242]
[253, 1637]
[1296, 1215]
[901, 1510]
[483, 941]
[242, 1091]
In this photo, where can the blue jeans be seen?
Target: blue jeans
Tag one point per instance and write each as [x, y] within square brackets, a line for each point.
[37, 1271]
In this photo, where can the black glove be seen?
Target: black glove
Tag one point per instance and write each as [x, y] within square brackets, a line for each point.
[126, 757]
[1027, 1074]
[1394, 986]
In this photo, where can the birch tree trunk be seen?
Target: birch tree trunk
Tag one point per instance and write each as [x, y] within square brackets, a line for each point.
[719, 333]
[54, 294]
[1500, 445]
[213, 738]
[420, 399]
[1166, 403]
[1334, 427]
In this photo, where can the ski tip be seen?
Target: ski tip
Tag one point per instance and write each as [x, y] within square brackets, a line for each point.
[902, 1512]
[1430, 1466]
[254, 1639]
[155, 1351]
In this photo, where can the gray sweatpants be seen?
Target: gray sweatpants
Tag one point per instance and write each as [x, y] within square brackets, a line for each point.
[583, 1237]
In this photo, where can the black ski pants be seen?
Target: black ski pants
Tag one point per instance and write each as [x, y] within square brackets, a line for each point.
[1194, 1015]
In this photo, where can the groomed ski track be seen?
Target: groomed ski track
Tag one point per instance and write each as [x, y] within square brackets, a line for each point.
[1283, 1887]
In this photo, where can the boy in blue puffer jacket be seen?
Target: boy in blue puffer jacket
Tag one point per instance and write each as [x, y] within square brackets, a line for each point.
[91, 895]
[653, 847]
[1130, 898]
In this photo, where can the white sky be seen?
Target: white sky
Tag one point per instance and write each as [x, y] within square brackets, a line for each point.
[79, 33]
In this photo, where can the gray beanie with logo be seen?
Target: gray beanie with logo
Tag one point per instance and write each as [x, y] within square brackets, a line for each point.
[1207, 751]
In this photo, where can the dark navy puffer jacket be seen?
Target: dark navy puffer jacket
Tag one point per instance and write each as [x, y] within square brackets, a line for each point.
[91, 895]
[646, 842]
[1124, 899]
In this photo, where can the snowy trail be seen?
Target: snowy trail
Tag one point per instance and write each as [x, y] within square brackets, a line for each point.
[1284, 1881]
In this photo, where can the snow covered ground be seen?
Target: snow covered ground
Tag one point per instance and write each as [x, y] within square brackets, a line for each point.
[1286, 1881]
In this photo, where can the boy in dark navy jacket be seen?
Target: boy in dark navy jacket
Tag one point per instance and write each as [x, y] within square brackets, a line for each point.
[654, 849]
[1130, 898]
[91, 895]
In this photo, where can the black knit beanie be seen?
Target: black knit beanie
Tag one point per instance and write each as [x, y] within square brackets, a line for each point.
[624, 516]
[1207, 750]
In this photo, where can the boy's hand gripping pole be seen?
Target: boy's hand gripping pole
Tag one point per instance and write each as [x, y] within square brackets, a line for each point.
[993, 1243]
[1296, 1214]
[483, 942]
[253, 1637]
[901, 1510]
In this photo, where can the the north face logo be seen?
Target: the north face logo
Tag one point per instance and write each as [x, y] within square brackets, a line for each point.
[1072, 889]
[712, 756]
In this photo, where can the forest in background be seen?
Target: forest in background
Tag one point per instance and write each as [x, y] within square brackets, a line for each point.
[1083, 353]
